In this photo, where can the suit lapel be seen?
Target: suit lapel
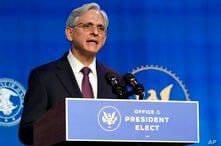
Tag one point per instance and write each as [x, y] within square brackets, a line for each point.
[101, 81]
[67, 78]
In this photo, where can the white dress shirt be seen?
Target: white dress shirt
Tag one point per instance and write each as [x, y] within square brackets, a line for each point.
[76, 67]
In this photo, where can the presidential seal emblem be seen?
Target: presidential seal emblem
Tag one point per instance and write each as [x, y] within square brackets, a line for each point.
[109, 118]
[160, 83]
[11, 101]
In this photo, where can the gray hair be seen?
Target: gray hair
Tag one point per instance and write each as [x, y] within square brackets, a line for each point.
[76, 13]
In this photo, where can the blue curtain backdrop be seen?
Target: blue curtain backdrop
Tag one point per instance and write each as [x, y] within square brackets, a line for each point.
[181, 35]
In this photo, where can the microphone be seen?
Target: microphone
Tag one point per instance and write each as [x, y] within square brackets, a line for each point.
[137, 88]
[116, 87]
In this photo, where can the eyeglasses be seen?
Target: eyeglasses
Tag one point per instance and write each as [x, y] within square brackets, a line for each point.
[90, 26]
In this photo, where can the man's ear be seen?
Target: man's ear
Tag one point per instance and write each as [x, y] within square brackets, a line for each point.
[104, 40]
[68, 32]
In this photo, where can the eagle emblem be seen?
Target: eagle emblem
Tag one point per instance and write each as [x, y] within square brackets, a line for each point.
[6, 106]
[11, 101]
[109, 118]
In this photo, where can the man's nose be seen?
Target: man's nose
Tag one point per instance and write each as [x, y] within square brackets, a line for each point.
[95, 30]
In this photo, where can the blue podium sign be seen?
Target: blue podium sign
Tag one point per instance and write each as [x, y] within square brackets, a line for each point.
[132, 120]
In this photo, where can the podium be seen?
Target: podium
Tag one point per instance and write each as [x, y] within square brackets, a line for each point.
[77, 120]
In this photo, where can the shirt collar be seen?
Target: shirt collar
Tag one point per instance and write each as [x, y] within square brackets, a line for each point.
[76, 65]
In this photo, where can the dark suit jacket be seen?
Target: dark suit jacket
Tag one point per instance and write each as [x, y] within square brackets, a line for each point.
[51, 83]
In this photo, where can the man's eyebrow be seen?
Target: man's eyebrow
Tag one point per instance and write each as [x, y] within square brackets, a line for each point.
[99, 24]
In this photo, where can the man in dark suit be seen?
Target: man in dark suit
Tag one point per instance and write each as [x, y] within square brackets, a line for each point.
[86, 29]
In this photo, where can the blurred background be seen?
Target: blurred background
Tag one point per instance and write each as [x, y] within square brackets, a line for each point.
[182, 36]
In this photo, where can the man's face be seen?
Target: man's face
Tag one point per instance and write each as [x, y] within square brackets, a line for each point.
[88, 35]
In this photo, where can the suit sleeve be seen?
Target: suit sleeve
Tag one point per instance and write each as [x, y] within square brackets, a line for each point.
[35, 104]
